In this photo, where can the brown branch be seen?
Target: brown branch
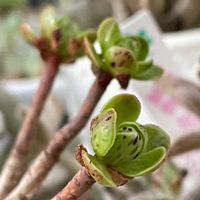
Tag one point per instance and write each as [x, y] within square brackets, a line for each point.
[79, 184]
[186, 143]
[46, 160]
[184, 91]
[16, 162]
[187, 94]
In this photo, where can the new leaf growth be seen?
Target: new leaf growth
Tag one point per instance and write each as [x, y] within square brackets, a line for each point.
[123, 148]
[123, 57]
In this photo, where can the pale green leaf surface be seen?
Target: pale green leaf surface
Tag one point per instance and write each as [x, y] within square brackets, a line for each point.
[127, 107]
[144, 164]
[108, 33]
[48, 21]
[91, 52]
[104, 132]
[152, 73]
[157, 137]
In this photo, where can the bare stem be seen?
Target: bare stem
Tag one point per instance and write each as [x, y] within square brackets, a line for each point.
[183, 91]
[79, 184]
[185, 144]
[33, 178]
[16, 163]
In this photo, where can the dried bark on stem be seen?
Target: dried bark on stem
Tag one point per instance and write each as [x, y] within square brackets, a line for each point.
[16, 163]
[33, 178]
[79, 184]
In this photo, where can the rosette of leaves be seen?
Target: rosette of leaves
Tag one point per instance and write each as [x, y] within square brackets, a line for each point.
[124, 57]
[60, 36]
[123, 148]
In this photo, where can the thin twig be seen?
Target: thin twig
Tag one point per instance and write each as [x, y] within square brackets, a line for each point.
[185, 144]
[46, 160]
[16, 162]
[188, 94]
[183, 91]
[79, 184]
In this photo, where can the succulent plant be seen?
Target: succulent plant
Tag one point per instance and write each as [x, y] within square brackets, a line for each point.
[124, 57]
[123, 148]
[59, 35]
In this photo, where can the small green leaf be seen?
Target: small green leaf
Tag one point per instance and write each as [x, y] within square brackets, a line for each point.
[68, 27]
[103, 132]
[120, 60]
[145, 163]
[142, 132]
[157, 137]
[68, 31]
[90, 34]
[91, 52]
[142, 47]
[108, 33]
[28, 34]
[127, 107]
[97, 169]
[152, 73]
[129, 143]
[143, 66]
[136, 44]
[48, 21]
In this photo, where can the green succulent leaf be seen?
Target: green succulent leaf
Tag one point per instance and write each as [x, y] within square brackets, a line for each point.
[97, 169]
[103, 132]
[127, 107]
[90, 34]
[48, 20]
[143, 66]
[91, 52]
[144, 164]
[143, 136]
[136, 44]
[108, 33]
[129, 143]
[67, 30]
[68, 27]
[153, 72]
[120, 60]
[157, 137]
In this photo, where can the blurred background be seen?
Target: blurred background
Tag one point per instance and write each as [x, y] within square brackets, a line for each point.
[173, 33]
